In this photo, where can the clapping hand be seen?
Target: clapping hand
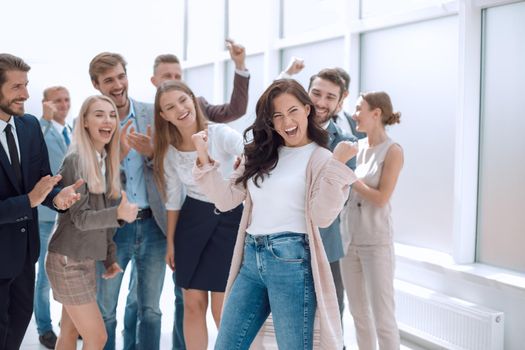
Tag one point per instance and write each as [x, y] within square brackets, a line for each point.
[141, 143]
[68, 196]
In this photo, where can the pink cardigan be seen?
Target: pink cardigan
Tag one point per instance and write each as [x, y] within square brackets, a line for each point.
[328, 182]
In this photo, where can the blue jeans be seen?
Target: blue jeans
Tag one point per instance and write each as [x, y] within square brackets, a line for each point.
[42, 313]
[275, 277]
[144, 242]
[130, 314]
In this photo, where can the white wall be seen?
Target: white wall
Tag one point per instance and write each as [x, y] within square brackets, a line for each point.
[58, 39]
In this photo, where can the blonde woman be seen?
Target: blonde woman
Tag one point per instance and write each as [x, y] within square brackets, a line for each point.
[200, 238]
[84, 233]
[368, 267]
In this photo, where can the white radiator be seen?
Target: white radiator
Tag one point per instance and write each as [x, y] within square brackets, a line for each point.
[447, 322]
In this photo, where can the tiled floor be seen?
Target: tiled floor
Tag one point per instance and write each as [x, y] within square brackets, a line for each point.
[31, 339]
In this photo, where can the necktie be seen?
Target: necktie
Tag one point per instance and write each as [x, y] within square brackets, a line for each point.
[66, 136]
[13, 154]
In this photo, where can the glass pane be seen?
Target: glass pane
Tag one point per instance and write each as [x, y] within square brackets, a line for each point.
[315, 58]
[302, 16]
[255, 65]
[247, 21]
[501, 223]
[371, 8]
[205, 29]
[417, 65]
[200, 80]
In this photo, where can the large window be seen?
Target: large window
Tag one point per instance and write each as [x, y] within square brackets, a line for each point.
[316, 56]
[371, 8]
[417, 65]
[249, 19]
[501, 222]
[205, 29]
[303, 16]
[200, 79]
[255, 65]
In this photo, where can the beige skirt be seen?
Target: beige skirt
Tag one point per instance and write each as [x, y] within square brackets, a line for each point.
[73, 281]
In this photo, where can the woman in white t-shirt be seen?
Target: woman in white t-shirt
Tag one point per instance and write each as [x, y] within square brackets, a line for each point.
[291, 184]
[200, 238]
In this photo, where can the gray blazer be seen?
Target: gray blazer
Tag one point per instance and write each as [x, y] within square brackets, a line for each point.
[144, 116]
[85, 230]
[56, 149]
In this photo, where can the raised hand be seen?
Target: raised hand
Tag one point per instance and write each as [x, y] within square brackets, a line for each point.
[68, 195]
[200, 141]
[112, 271]
[237, 53]
[42, 189]
[295, 66]
[141, 143]
[344, 151]
[127, 211]
[48, 110]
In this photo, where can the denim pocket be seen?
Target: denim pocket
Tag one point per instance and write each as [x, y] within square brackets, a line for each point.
[289, 248]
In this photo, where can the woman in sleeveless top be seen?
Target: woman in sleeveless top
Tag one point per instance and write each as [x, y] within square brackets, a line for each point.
[368, 267]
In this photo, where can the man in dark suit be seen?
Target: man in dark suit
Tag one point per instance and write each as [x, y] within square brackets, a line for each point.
[26, 182]
[326, 91]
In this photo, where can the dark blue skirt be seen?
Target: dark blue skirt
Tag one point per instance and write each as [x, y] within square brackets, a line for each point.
[204, 242]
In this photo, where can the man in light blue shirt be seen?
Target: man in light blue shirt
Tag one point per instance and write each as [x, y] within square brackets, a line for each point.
[142, 241]
[57, 134]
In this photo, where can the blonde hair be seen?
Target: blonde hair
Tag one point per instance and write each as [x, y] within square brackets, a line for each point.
[166, 133]
[88, 167]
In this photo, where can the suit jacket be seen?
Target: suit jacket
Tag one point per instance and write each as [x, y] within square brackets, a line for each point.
[56, 148]
[86, 230]
[331, 235]
[18, 221]
[144, 116]
[229, 111]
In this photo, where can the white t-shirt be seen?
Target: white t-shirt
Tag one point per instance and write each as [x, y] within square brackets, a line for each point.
[279, 202]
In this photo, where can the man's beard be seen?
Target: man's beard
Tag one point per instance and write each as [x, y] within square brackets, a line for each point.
[5, 108]
[325, 119]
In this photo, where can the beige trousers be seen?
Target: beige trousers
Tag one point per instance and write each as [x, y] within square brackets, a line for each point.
[368, 277]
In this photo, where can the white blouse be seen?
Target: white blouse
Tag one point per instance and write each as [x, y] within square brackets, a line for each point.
[224, 145]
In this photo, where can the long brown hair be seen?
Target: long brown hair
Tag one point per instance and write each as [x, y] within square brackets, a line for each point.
[168, 134]
[261, 152]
